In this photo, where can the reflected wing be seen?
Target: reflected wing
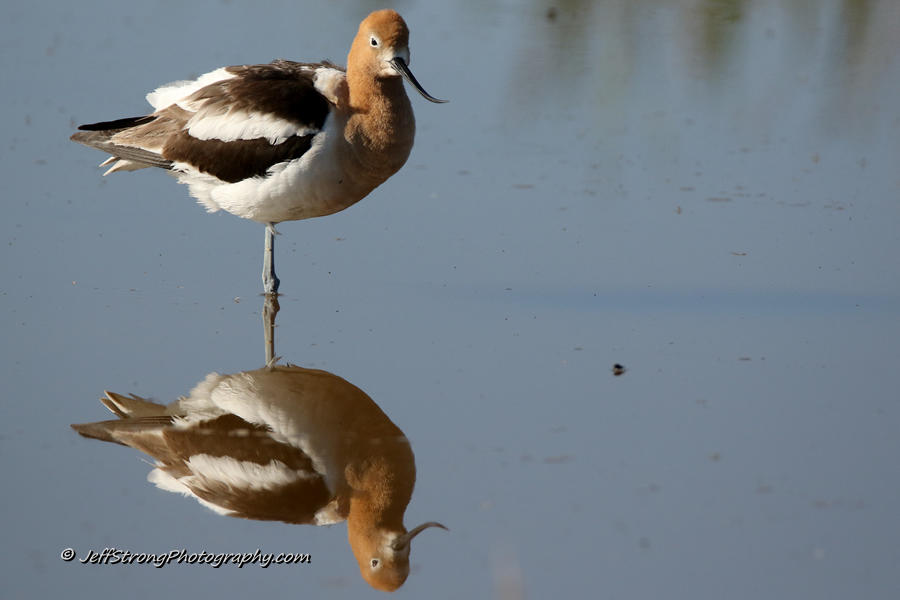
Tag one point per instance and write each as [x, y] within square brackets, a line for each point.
[228, 464]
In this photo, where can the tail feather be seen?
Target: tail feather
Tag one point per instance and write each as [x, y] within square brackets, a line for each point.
[97, 431]
[118, 124]
[131, 407]
[122, 432]
[129, 157]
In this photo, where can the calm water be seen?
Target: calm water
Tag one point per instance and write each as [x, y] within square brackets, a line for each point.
[706, 192]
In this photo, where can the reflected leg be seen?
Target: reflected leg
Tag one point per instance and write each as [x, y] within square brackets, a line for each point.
[270, 309]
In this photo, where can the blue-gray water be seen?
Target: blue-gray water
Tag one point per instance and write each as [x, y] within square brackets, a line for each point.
[705, 192]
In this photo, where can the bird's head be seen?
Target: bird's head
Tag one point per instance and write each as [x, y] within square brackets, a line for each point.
[381, 50]
[383, 555]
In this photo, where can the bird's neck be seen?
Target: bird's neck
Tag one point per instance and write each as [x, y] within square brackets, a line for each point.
[381, 488]
[380, 127]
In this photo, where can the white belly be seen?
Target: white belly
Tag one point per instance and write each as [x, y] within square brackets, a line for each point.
[313, 185]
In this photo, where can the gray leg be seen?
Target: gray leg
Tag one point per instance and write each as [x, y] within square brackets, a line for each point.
[270, 281]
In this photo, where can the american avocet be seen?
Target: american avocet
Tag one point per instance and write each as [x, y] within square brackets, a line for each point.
[282, 444]
[279, 142]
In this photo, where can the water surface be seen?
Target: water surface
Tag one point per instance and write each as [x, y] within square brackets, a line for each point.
[703, 192]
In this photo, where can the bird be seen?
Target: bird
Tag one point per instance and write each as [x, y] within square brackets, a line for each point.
[282, 443]
[282, 141]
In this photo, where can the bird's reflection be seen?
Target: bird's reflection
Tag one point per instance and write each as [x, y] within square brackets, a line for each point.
[282, 443]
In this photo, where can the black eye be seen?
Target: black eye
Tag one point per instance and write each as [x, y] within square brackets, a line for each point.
[373, 41]
[374, 560]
